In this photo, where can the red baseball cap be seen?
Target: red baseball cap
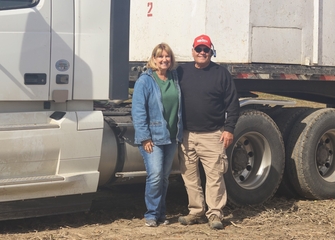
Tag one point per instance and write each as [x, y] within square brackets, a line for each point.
[202, 40]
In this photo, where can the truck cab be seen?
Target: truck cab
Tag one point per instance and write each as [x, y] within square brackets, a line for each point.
[57, 58]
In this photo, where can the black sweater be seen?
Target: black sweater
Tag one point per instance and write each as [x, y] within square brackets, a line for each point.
[208, 94]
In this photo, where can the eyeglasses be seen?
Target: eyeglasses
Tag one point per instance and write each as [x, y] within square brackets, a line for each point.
[199, 49]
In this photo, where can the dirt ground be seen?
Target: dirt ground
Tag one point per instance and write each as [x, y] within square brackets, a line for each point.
[119, 215]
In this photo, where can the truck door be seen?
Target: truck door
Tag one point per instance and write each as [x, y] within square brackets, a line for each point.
[25, 50]
[62, 38]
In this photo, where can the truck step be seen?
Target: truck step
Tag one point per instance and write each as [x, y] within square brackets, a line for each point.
[27, 180]
[138, 174]
[120, 121]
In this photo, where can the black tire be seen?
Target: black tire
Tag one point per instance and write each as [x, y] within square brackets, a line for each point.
[311, 157]
[285, 120]
[256, 160]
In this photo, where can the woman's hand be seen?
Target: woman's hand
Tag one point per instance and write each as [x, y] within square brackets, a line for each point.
[147, 145]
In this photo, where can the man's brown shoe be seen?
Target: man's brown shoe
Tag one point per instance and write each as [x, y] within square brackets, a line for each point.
[190, 219]
[215, 222]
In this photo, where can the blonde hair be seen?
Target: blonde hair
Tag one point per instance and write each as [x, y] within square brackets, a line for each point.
[157, 51]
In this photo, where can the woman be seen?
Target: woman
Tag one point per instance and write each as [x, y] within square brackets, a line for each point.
[156, 113]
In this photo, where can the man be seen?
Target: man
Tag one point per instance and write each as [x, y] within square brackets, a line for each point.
[210, 112]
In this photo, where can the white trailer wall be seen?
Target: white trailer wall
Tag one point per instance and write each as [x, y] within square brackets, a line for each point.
[179, 22]
[326, 33]
[280, 33]
[243, 31]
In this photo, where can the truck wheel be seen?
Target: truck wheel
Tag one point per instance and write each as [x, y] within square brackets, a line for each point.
[285, 121]
[311, 158]
[256, 158]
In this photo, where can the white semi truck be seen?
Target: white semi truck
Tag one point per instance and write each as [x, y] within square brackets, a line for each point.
[65, 72]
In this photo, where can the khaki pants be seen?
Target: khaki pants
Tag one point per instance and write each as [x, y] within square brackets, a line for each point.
[206, 147]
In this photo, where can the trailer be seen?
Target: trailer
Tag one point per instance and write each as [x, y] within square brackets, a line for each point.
[65, 71]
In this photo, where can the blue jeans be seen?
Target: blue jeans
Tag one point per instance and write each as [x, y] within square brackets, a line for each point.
[158, 165]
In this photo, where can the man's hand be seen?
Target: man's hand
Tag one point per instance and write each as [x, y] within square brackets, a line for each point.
[147, 145]
[227, 139]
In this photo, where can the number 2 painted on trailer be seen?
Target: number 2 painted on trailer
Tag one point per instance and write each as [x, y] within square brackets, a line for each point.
[150, 4]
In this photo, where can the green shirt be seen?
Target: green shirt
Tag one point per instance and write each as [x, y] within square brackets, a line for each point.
[170, 102]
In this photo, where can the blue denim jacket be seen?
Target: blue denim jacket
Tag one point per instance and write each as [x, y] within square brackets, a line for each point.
[147, 111]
